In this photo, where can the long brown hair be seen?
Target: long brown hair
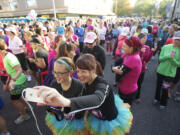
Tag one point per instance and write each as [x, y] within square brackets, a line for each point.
[65, 48]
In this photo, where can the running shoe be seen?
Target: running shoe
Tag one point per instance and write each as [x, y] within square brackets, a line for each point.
[21, 119]
[162, 107]
[155, 102]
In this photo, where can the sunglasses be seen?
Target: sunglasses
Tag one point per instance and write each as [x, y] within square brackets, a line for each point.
[59, 73]
[89, 43]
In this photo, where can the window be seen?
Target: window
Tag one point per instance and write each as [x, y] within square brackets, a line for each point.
[13, 4]
[31, 3]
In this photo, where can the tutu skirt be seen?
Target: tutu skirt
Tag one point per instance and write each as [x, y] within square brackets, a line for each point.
[119, 126]
[94, 126]
[66, 127]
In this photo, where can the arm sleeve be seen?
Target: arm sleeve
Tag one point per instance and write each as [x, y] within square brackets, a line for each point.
[89, 102]
[13, 61]
[102, 59]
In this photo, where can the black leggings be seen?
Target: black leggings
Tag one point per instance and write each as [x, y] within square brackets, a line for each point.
[177, 77]
[129, 98]
[162, 85]
[140, 81]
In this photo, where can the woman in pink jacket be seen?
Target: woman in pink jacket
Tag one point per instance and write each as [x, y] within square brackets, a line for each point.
[145, 55]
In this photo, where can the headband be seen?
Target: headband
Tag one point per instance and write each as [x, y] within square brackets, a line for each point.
[65, 63]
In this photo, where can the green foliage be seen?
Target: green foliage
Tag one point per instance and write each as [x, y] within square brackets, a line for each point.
[123, 8]
[142, 8]
[145, 7]
[163, 6]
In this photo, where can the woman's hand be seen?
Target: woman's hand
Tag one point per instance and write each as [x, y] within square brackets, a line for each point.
[52, 97]
[154, 49]
[11, 84]
[117, 70]
[31, 60]
[143, 50]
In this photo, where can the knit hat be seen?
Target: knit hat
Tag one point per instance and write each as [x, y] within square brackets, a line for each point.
[134, 42]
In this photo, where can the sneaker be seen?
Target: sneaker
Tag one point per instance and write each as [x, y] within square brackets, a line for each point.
[162, 107]
[21, 119]
[28, 77]
[177, 99]
[155, 102]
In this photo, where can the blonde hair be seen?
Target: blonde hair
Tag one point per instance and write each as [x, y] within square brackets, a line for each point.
[175, 27]
[28, 33]
[3, 45]
[68, 60]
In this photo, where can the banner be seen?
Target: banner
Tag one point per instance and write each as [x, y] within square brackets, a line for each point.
[32, 15]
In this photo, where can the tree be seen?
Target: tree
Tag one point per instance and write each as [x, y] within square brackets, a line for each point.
[123, 8]
[162, 8]
[145, 7]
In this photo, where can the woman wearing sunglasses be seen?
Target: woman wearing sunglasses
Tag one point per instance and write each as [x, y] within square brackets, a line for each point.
[105, 114]
[56, 118]
[64, 49]
[128, 69]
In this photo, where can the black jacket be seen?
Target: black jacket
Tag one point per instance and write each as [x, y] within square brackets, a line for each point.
[97, 96]
[99, 53]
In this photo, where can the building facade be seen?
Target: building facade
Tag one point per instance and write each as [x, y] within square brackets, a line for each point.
[11, 8]
[177, 10]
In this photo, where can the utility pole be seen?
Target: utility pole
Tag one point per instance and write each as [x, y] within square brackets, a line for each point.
[174, 8]
[54, 9]
[116, 7]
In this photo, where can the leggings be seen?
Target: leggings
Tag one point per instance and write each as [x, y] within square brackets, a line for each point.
[162, 85]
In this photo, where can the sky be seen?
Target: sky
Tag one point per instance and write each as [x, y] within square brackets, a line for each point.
[132, 2]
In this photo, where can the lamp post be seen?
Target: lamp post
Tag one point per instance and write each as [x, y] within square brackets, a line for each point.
[116, 7]
[174, 8]
[54, 9]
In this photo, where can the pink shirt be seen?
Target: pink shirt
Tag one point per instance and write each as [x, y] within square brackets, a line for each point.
[51, 55]
[30, 53]
[129, 83]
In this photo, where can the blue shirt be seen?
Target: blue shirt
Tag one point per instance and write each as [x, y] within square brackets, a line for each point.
[60, 30]
[78, 31]
[145, 24]
[115, 33]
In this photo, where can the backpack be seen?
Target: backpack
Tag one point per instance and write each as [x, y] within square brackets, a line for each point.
[155, 29]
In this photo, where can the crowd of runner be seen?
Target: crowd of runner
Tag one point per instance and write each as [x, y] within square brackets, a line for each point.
[67, 60]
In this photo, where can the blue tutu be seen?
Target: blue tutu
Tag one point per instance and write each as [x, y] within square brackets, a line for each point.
[66, 127]
[119, 126]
